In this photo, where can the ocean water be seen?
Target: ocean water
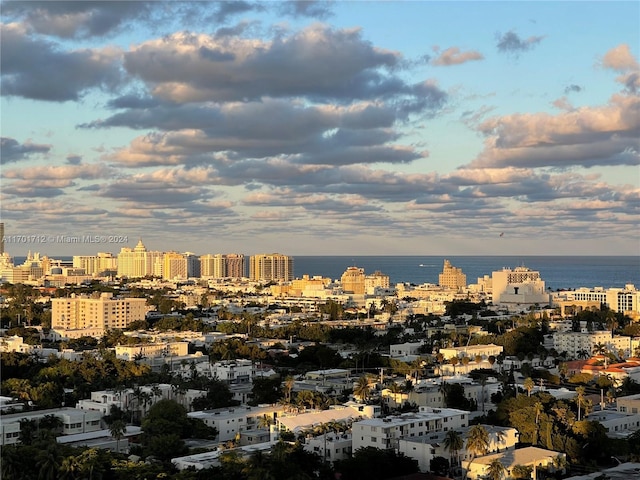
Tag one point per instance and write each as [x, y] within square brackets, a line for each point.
[558, 272]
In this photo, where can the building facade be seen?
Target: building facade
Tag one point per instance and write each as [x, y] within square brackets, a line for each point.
[99, 313]
[520, 286]
[452, 277]
[271, 267]
[353, 281]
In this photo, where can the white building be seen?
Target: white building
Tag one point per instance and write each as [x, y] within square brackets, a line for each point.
[575, 342]
[230, 422]
[622, 300]
[427, 447]
[386, 432]
[518, 288]
[73, 421]
[330, 446]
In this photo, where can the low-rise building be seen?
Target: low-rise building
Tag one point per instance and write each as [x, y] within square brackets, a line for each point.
[426, 448]
[231, 422]
[386, 432]
[534, 457]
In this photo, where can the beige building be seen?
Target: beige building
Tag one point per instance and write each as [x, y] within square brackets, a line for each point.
[452, 277]
[353, 281]
[231, 265]
[375, 281]
[96, 313]
[270, 267]
[138, 262]
[535, 457]
[96, 264]
[174, 266]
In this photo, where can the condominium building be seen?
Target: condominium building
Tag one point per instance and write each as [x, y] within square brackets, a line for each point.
[452, 277]
[96, 264]
[353, 281]
[622, 300]
[386, 432]
[174, 266]
[96, 313]
[223, 266]
[374, 281]
[138, 262]
[271, 267]
[520, 286]
[575, 343]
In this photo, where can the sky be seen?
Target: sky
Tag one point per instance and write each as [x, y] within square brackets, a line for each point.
[321, 128]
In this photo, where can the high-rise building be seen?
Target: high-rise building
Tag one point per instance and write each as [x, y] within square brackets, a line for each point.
[174, 266]
[1, 238]
[212, 266]
[137, 262]
[223, 266]
[452, 277]
[236, 265]
[96, 264]
[352, 280]
[271, 267]
[98, 313]
[193, 265]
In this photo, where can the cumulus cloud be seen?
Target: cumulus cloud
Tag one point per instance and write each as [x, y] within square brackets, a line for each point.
[620, 59]
[52, 173]
[453, 56]
[12, 151]
[41, 70]
[317, 62]
[587, 136]
[74, 19]
[511, 42]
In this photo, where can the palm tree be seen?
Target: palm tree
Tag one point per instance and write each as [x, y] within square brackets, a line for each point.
[117, 429]
[265, 421]
[48, 463]
[522, 472]
[395, 390]
[454, 361]
[477, 442]
[580, 391]
[362, 389]
[529, 385]
[454, 443]
[496, 469]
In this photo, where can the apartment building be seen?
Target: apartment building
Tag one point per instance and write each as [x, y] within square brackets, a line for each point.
[622, 300]
[230, 422]
[386, 432]
[73, 421]
[575, 343]
[138, 262]
[271, 267]
[96, 264]
[427, 447]
[96, 313]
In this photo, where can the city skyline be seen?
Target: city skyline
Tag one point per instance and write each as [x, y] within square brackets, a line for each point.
[322, 128]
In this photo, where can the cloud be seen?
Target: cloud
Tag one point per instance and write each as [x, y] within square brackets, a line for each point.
[52, 173]
[318, 62]
[39, 70]
[453, 56]
[12, 151]
[510, 42]
[227, 9]
[572, 88]
[587, 136]
[306, 8]
[620, 59]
